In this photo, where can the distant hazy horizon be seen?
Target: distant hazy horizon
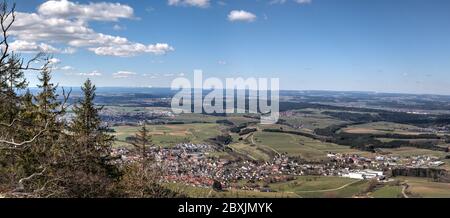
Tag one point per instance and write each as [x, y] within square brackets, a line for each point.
[400, 46]
[104, 88]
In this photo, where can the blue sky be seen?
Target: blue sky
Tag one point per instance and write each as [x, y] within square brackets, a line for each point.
[366, 45]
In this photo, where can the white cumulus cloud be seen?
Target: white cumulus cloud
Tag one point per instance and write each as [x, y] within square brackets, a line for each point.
[123, 74]
[66, 68]
[67, 23]
[33, 47]
[277, 2]
[101, 11]
[54, 61]
[241, 15]
[91, 74]
[195, 3]
[284, 1]
[128, 50]
[303, 1]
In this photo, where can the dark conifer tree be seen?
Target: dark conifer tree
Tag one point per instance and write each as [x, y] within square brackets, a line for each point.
[87, 125]
[46, 99]
[142, 141]
[12, 81]
[94, 175]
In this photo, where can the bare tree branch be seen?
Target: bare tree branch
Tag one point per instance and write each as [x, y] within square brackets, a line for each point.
[12, 145]
[7, 19]
[10, 124]
[66, 97]
[5, 27]
[15, 145]
[21, 181]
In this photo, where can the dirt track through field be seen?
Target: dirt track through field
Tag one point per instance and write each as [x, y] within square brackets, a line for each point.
[330, 190]
[253, 142]
[405, 186]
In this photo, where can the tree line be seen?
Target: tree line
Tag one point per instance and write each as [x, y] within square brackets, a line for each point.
[44, 154]
[371, 142]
